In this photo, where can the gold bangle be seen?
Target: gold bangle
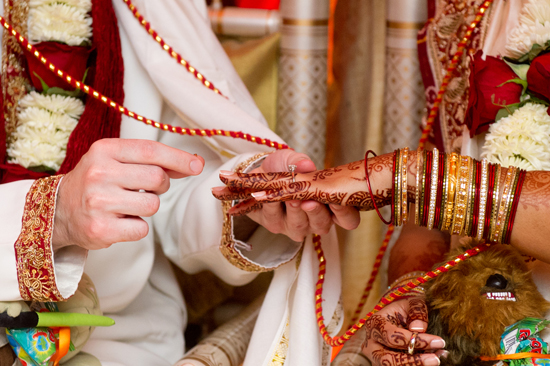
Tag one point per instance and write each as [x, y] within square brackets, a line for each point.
[496, 234]
[451, 189]
[459, 213]
[470, 199]
[419, 154]
[404, 201]
[494, 209]
[404, 280]
[482, 198]
[397, 189]
[433, 189]
[443, 202]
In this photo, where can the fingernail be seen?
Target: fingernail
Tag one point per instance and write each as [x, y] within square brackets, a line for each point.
[437, 343]
[258, 195]
[196, 166]
[294, 204]
[226, 172]
[442, 353]
[431, 360]
[417, 326]
[217, 189]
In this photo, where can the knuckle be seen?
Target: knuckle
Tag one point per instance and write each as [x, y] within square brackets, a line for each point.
[95, 174]
[139, 231]
[95, 230]
[157, 177]
[93, 202]
[151, 204]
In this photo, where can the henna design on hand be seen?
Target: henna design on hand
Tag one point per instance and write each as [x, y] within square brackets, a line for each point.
[388, 358]
[397, 319]
[417, 310]
[364, 202]
[355, 165]
[246, 207]
[323, 174]
[536, 190]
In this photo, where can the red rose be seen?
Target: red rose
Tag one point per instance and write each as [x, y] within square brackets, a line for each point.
[485, 92]
[538, 75]
[71, 59]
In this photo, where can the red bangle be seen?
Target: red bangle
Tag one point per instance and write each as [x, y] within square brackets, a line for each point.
[475, 210]
[427, 188]
[521, 178]
[370, 191]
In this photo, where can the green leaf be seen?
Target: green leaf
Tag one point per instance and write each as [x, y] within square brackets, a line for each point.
[45, 86]
[506, 111]
[516, 81]
[42, 169]
[77, 93]
[536, 100]
[519, 69]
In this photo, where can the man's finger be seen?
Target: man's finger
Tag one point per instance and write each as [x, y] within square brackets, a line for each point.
[176, 162]
[150, 178]
[296, 221]
[320, 218]
[346, 216]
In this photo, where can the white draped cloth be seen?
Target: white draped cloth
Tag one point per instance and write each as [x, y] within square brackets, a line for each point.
[134, 281]
[505, 16]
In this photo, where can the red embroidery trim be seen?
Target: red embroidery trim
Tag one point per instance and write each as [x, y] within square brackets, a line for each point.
[33, 248]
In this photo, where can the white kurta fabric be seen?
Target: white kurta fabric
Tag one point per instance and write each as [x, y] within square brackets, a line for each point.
[503, 21]
[133, 280]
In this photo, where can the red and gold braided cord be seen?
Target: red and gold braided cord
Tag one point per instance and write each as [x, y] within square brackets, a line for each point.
[394, 295]
[108, 101]
[450, 71]
[170, 50]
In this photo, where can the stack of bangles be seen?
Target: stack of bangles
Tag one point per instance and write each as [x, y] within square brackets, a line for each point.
[458, 195]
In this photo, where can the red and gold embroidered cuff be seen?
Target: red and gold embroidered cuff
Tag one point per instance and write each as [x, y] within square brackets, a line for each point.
[227, 245]
[33, 248]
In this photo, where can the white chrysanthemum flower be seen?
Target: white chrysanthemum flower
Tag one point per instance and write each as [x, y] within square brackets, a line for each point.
[533, 28]
[61, 23]
[45, 123]
[85, 5]
[521, 139]
[53, 103]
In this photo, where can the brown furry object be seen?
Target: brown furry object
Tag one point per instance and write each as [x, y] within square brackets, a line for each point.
[461, 312]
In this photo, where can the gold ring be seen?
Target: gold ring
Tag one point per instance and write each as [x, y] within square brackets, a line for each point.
[412, 343]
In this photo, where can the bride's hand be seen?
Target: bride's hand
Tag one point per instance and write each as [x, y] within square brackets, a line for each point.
[295, 218]
[344, 185]
[389, 333]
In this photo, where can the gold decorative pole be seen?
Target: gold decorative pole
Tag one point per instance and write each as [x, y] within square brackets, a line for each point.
[301, 115]
[404, 94]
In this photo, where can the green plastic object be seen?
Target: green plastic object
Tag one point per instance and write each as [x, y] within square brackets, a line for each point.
[73, 320]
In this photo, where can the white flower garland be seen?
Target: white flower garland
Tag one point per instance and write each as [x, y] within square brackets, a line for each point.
[45, 123]
[60, 21]
[533, 28]
[522, 139]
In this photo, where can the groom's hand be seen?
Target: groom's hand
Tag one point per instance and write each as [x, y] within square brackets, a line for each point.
[116, 182]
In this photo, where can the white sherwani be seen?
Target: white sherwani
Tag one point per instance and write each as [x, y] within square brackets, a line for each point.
[135, 284]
